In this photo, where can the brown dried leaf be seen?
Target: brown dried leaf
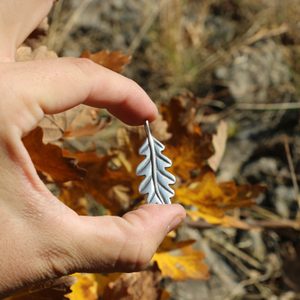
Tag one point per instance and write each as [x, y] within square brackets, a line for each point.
[25, 53]
[49, 159]
[219, 142]
[74, 197]
[101, 178]
[181, 116]
[114, 60]
[159, 129]
[134, 286]
[76, 122]
[189, 148]
[120, 194]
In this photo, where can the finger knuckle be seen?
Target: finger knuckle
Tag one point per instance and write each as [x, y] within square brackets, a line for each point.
[84, 65]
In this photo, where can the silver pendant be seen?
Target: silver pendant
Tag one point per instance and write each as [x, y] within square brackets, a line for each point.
[153, 167]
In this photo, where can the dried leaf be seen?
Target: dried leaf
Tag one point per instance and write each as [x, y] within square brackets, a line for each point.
[134, 286]
[225, 221]
[213, 199]
[76, 122]
[25, 53]
[74, 197]
[85, 288]
[160, 129]
[169, 244]
[120, 194]
[190, 156]
[49, 159]
[101, 178]
[176, 112]
[189, 148]
[182, 266]
[103, 280]
[219, 143]
[114, 60]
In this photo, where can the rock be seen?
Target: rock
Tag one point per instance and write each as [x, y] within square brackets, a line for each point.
[254, 71]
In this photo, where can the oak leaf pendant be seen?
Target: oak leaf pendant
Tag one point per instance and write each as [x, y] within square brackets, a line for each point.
[153, 167]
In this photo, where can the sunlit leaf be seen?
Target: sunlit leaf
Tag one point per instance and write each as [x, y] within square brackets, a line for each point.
[182, 266]
[213, 199]
[114, 60]
[49, 159]
[85, 287]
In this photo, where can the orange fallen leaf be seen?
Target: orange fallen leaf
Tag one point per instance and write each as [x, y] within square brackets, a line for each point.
[49, 159]
[189, 147]
[114, 60]
[74, 197]
[76, 122]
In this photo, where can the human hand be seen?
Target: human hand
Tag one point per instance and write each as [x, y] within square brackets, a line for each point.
[41, 238]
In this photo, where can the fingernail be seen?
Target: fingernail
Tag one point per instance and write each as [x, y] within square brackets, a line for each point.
[175, 222]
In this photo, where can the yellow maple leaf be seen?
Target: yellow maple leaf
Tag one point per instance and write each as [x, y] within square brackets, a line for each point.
[85, 287]
[188, 264]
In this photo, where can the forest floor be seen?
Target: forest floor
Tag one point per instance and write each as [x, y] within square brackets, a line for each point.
[241, 59]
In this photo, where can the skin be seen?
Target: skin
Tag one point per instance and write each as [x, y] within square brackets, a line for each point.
[40, 238]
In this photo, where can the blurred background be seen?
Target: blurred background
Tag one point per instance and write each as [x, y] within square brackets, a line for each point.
[241, 61]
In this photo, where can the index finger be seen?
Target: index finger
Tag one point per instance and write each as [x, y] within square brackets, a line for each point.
[59, 84]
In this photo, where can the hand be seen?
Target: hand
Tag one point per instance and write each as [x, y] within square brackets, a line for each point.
[41, 238]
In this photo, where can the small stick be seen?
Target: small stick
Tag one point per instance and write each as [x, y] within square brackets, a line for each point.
[293, 174]
[259, 224]
[268, 106]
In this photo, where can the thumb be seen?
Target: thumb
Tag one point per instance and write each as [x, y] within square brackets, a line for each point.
[112, 244]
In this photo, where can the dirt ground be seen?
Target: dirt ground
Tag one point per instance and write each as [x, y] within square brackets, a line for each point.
[242, 59]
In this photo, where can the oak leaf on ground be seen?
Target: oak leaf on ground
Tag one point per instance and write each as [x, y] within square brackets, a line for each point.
[114, 60]
[85, 287]
[76, 122]
[182, 266]
[213, 199]
[49, 159]
[219, 142]
[75, 198]
[134, 286]
[189, 148]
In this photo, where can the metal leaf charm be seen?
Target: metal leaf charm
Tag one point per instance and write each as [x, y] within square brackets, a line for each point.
[153, 167]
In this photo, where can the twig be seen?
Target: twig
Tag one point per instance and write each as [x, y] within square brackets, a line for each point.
[267, 33]
[261, 224]
[145, 28]
[70, 23]
[267, 106]
[56, 22]
[232, 249]
[293, 174]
